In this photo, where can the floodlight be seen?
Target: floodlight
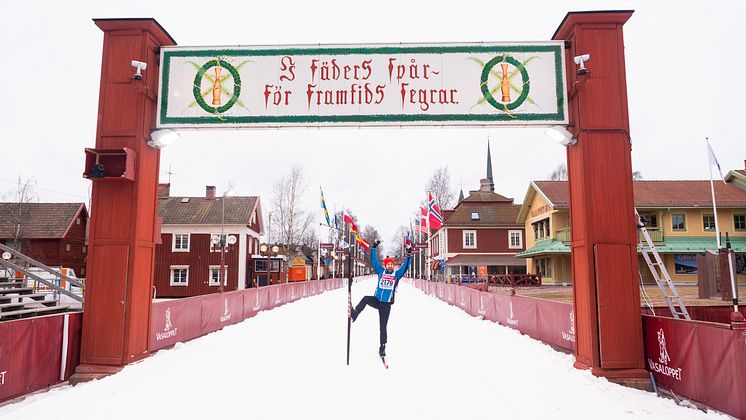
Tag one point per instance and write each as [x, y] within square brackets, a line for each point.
[561, 135]
[162, 138]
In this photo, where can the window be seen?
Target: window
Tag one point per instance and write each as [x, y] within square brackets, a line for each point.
[544, 266]
[470, 239]
[739, 221]
[179, 275]
[215, 275]
[77, 221]
[678, 222]
[708, 222]
[180, 242]
[85, 249]
[216, 248]
[261, 265]
[515, 239]
[541, 229]
[67, 247]
[474, 215]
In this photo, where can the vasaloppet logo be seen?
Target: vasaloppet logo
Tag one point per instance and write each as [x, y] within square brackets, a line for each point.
[511, 317]
[2, 377]
[661, 366]
[168, 328]
[570, 334]
[226, 312]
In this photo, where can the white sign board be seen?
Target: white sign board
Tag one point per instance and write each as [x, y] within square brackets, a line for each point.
[451, 84]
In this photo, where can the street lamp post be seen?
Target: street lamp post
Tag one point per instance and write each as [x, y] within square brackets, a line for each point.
[223, 274]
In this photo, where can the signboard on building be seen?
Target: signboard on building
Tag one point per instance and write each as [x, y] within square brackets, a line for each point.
[685, 263]
[327, 85]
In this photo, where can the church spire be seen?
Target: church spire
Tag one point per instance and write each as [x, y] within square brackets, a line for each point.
[461, 196]
[489, 166]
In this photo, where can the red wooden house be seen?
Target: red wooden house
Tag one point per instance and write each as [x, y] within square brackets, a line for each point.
[187, 262]
[51, 233]
[480, 234]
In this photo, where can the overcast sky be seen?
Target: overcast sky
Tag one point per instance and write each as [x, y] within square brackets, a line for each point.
[686, 75]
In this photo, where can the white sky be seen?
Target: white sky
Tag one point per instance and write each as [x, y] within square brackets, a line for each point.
[685, 75]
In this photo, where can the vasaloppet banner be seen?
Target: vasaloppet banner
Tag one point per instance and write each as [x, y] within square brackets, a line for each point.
[389, 85]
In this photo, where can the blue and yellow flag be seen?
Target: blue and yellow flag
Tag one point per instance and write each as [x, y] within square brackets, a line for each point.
[323, 206]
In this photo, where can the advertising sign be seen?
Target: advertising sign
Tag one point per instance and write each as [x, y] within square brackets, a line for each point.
[354, 85]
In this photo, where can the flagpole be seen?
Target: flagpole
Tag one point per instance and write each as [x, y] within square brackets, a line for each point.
[427, 257]
[712, 190]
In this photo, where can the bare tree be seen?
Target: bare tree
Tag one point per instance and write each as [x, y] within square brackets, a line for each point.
[439, 185]
[292, 221]
[396, 247]
[559, 173]
[17, 214]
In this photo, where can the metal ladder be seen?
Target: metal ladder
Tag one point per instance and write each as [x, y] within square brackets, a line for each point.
[660, 274]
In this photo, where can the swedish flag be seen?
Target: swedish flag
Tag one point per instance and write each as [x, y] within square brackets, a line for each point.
[323, 206]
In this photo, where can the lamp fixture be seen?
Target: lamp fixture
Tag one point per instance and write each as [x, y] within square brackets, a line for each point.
[162, 138]
[561, 135]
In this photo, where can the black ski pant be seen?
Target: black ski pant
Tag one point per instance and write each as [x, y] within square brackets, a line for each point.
[384, 309]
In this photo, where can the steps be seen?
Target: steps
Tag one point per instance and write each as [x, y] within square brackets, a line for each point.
[18, 301]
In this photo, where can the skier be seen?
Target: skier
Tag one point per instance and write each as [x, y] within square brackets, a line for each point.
[388, 280]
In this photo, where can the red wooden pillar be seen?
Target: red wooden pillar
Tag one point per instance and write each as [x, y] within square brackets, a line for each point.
[604, 238]
[123, 212]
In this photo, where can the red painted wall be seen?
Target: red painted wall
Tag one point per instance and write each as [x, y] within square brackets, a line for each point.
[199, 259]
[488, 240]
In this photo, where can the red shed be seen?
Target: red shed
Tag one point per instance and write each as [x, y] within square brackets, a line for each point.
[52, 233]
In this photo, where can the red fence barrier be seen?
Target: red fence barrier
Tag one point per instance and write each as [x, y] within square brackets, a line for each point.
[702, 361]
[31, 352]
[720, 314]
[548, 321]
[179, 320]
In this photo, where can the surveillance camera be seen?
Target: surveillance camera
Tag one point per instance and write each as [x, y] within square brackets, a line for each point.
[580, 60]
[139, 66]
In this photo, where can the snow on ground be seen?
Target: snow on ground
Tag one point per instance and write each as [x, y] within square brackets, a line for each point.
[289, 363]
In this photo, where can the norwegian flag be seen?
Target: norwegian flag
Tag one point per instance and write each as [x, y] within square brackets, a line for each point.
[436, 220]
[423, 217]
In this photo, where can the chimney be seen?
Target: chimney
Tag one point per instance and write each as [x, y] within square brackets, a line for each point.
[486, 185]
[210, 192]
[164, 190]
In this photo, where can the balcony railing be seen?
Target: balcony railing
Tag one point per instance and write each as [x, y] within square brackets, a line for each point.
[564, 235]
[656, 234]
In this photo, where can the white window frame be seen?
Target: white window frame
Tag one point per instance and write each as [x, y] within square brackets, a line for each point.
[214, 248]
[510, 239]
[173, 242]
[217, 283]
[171, 275]
[463, 238]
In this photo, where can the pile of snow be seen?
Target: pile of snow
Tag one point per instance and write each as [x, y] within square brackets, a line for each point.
[289, 363]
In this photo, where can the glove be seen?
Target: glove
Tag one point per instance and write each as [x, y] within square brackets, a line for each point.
[375, 243]
[409, 251]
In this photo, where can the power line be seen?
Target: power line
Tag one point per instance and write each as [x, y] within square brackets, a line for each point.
[47, 189]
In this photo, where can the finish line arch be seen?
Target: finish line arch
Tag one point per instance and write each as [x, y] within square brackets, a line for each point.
[124, 227]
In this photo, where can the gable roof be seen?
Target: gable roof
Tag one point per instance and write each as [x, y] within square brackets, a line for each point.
[206, 211]
[651, 194]
[39, 220]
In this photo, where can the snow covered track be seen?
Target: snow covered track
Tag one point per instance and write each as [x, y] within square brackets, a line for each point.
[289, 363]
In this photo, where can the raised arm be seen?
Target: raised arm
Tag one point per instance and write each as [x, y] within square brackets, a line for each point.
[377, 267]
[403, 269]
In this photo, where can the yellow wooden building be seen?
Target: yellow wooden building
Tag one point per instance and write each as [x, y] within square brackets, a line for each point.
[680, 220]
